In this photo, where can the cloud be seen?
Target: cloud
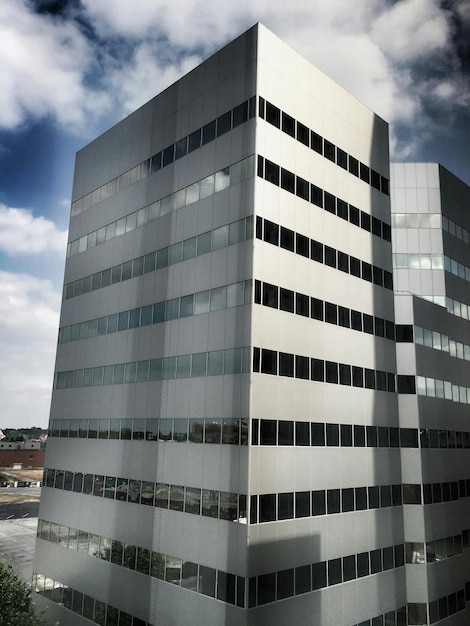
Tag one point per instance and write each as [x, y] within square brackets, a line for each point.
[98, 61]
[188, 24]
[412, 30]
[43, 65]
[23, 234]
[146, 75]
[29, 315]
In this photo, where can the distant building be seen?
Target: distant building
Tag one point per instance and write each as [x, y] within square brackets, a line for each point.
[230, 440]
[27, 458]
[28, 444]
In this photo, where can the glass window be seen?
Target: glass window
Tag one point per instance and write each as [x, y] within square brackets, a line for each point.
[316, 195]
[362, 564]
[215, 363]
[303, 583]
[301, 367]
[285, 433]
[330, 256]
[330, 202]
[207, 186]
[285, 584]
[210, 503]
[192, 501]
[346, 435]
[361, 498]
[347, 500]
[189, 575]
[285, 506]
[333, 501]
[331, 313]
[176, 497]
[212, 431]
[316, 308]
[302, 434]
[349, 567]
[273, 115]
[332, 434]
[267, 507]
[331, 372]
[288, 124]
[318, 575]
[271, 232]
[228, 506]
[201, 302]
[334, 572]
[303, 134]
[302, 504]
[269, 360]
[272, 172]
[318, 434]
[180, 430]
[316, 142]
[317, 369]
[318, 503]
[287, 180]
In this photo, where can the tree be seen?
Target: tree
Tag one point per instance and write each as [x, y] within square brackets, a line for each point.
[16, 608]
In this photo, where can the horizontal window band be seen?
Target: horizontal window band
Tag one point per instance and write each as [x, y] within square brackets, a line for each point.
[307, 306]
[216, 363]
[453, 307]
[277, 235]
[216, 430]
[275, 586]
[196, 577]
[288, 181]
[222, 237]
[197, 501]
[200, 137]
[276, 507]
[420, 261]
[273, 115]
[235, 431]
[80, 603]
[395, 617]
[267, 361]
[216, 299]
[200, 189]
[437, 550]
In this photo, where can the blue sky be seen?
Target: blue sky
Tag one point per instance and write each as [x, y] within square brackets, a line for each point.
[69, 69]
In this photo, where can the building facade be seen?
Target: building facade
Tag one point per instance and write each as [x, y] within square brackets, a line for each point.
[225, 444]
[432, 298]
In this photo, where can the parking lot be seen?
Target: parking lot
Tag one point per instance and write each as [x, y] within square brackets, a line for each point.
[18, 522]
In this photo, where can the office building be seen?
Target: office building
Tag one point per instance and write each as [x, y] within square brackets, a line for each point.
[432, 307]
[225, 440]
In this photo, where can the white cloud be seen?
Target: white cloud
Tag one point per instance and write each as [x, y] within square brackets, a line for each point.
[384, 53]
[144, 76]
[42, 68]
[29, 315]
[23, 234]
[411, 30]
[185, 23]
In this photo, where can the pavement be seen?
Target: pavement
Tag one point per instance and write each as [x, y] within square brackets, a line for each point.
[18, 525]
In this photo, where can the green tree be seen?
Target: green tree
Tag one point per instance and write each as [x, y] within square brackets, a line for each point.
[16, 608]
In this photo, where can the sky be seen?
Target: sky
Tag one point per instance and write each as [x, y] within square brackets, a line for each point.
[70, 69]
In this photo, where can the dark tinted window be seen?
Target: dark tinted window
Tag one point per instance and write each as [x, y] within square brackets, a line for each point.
[208, 132]
[318, 503]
